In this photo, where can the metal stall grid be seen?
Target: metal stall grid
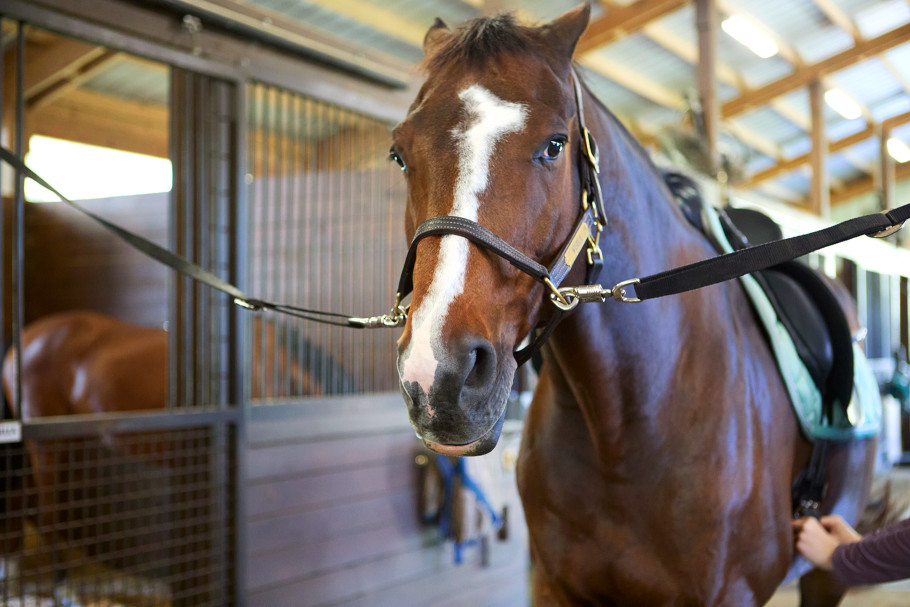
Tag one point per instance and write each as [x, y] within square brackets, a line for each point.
[117, 506]
[326, 233]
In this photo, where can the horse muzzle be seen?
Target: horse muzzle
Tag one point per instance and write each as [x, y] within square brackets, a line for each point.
[461, 412]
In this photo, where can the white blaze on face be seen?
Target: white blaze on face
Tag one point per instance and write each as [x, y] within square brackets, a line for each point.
[488, 119]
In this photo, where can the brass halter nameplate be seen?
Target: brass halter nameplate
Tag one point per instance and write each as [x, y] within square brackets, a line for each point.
[585, 233]
[578, 241]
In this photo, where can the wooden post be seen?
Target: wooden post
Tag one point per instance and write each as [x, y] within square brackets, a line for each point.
[820, 192]
[707, 24]
[887, 177]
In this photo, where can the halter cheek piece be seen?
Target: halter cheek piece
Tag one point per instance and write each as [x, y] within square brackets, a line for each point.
[585, 236]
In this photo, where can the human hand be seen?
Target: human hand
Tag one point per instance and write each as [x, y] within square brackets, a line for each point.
[840, 529]
[815, 543]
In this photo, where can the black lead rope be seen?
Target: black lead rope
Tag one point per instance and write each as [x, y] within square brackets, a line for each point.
[197, 273]
[753, 259]
[744, 261]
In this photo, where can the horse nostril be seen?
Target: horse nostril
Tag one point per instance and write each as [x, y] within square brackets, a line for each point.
[483, 370]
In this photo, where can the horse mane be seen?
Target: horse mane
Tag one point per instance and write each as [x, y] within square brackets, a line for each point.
[482, 39]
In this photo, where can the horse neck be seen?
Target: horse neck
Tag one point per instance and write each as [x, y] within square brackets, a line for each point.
[636, 344]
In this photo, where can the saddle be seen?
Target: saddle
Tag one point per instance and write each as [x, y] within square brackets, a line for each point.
[801, 297]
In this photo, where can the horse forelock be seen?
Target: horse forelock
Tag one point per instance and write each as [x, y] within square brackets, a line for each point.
[482, 40]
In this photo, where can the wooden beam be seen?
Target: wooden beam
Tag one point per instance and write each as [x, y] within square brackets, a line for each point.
[47, 65]
[105, 121]
[820, 191]
[886, 176]
[72, 80]
[867, 184]
[839, 18]
[833, 147]
[623, 20]
[802, 76]
[706, 76]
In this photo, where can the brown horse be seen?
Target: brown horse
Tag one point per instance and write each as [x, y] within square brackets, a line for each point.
[660, 447]
[80, 363]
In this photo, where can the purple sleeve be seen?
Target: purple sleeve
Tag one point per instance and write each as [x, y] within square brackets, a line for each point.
[883, 556]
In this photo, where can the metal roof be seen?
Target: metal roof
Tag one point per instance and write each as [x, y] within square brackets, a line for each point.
[644, 75]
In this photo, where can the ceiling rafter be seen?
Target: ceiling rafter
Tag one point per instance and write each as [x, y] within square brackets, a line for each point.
[802, 76]
[843, 21]
[688, 52]
[623, 20]
[834, 146]
[865, 185]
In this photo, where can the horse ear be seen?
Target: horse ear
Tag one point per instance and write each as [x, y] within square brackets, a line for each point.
[562, 33]
[436, 35]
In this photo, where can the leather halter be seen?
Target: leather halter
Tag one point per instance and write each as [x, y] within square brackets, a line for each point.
[585, 236]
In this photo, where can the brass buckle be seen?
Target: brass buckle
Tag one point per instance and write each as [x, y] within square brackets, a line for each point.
[594, 245]
[890, 231]
[590, 152]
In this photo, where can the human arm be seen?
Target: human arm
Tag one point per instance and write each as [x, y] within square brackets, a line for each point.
[882, 556]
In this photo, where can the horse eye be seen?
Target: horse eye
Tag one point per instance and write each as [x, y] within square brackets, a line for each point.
[553, 149]
[393, 155]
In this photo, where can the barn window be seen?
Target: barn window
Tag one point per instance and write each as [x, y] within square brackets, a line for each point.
[81, 171]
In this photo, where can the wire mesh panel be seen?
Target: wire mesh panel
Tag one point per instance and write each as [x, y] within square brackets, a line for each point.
[326, 211]
[130, 519]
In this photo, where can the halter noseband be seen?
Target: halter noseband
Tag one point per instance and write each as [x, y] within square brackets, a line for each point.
[585, 236]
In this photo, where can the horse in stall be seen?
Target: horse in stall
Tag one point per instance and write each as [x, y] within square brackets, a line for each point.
[660, 447]
[82, 363]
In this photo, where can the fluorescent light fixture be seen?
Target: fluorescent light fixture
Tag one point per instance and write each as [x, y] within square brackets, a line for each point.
[841, 103]
[898, 150]
[749, 36]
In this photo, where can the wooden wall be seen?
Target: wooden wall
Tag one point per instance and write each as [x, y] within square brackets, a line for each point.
[331, 510]
[73, 263]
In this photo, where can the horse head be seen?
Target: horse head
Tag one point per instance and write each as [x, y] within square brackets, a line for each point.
[492, 137]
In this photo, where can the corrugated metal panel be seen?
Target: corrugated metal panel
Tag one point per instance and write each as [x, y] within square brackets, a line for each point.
[627, 104]
[902, 132]
[823, 44]
[342, 27]
[755, 70]
[867, 150]
[892, 106]
[759, 162]
[842, 168]
[642, 55]
[852, 7]
[788, 19]
[843, 127]
[546, 10]
[882, 17]
[770, 124]
[796, 146]
[132, 80]
[868, 81]
[795, 181]
[900, 59]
